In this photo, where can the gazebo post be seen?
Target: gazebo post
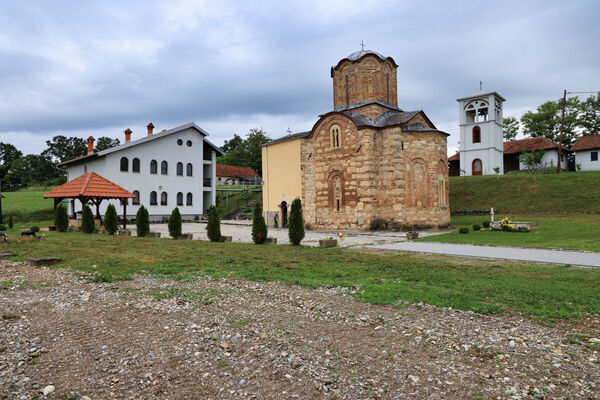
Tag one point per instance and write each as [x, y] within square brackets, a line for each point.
[124, 202]
[97, 202]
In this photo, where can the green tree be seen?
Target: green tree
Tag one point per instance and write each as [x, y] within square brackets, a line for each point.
[62, 148]
[104, 142]
[87, 220]
[546, 121]
[10, 221]
[8, 154]
[61, 219]
[259, 227]
[510, 128]
[296, 223]
[175, 224]
[32, 169]
[532, 159]
[589, 120]
[213, 227]
[246, 152]
[110, 220]
[142, 222]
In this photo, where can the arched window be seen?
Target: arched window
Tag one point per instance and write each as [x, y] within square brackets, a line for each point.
[124, 164]
[153, 198]
[136, 199]
[163, 199]
[153, 166]
[335, 136]
[476, 134]
[164, 168]
[188, 169]
[188, 199]
[135, 165]
[179, 199]
[180, 168]
[477, 168]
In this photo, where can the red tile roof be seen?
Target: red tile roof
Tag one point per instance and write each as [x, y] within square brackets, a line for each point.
[89, 185]
[230, 170]
[587, 142]
[530, 144]
[455, 157]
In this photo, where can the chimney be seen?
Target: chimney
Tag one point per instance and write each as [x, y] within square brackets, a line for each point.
[90, 142]
[127, 135]
[150, 128]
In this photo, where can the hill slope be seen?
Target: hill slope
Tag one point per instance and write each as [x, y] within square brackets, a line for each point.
[569, 192]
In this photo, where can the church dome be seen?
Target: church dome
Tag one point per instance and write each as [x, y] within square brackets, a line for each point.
[357, 55]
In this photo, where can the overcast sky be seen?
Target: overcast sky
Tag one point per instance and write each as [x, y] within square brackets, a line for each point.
[81, 68]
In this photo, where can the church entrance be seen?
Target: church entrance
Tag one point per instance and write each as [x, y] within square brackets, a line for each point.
[477, 167]
[284, 218]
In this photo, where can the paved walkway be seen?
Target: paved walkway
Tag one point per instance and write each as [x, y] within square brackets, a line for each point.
[503, 253]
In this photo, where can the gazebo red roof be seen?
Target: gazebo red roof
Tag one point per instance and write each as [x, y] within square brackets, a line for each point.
[89, 185]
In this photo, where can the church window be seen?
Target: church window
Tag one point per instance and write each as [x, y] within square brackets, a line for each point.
[153, 166]
[441, 191]
[136, 199]
[153, 200]
[347, 92]
[179, 142]
[419, 183]
[124, 164]
[476, 134]
[180, 168]
[163, 199]
[189, 169]
[477, 167]
[135, 165]
[188, 199]
[164, 168]
[594, 156]
[179, 199]
[335, 138]
[337, 192]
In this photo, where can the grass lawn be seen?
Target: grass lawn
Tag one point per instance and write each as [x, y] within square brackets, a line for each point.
[543, 292]
[27, 205]
[568, 232]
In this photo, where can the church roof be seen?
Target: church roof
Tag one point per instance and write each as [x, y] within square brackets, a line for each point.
[358, 55]
[298, 135]
[365, 103]
[89, 184]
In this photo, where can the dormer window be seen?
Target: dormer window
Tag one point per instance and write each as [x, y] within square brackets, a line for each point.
[335, 136]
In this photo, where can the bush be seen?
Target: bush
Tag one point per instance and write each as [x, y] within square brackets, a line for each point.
[61, 219]
[296, 223]
[110, 220]
[486, 224]
[463, 230]
[259, 227]
[378, 224]
[10, 221]
[34, 229]
[476, 227]
[522, 229]
[213, 227]
[2, 227]
[142, 222]
[175, 224]
[87, 220]
[197, 218]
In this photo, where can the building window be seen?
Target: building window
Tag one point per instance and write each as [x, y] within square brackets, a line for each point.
[84, 169]
[163, 199]
[335, 136]
[179, 142]
[136, 199]
[188, 199]
[188, 169]
[180, 168]
[594, 155]
[135, 165]
[124, 164]
[476, 134]
[164, 168]
[153, 166]
[179, 199]
[477, 168]
[189, 143]
[153, 198]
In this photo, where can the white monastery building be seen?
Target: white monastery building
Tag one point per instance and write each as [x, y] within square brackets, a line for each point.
[164, 170]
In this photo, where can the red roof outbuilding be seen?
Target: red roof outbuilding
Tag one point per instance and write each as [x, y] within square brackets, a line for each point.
[530, 144]
[231, 170]
[587, 143]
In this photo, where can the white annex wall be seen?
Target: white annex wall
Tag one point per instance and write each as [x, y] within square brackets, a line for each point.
[584, 157]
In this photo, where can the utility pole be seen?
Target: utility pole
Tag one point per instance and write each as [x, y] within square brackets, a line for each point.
[562, 130]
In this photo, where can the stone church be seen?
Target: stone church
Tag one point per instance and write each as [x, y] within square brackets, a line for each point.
[365, 160]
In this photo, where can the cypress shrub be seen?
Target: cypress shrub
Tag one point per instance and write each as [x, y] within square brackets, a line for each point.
[213, 228]
[61, 219]
[296, 223]
[110, 220]
[175, 224]
[87, 220]
[10, 221]
[259, 228]
[142, 222]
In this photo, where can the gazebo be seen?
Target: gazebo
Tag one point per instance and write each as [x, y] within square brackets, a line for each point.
[91, 187]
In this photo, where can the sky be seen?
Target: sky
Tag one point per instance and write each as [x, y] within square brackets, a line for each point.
[81, 68]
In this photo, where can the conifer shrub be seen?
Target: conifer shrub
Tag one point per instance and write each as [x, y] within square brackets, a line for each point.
[296, 223]
[61, 218]
[87, 220]
[110, 220]
[476, 227]
[142, 222]
[175, 223]
[213, 227]
[259, 227]
[10, 221]
[464, 230]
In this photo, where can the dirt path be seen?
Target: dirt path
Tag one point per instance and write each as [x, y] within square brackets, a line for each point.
[220, 338]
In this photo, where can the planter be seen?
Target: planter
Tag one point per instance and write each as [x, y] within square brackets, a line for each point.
[270, 240]
[328, 242]
[412, 235]
[153, 234]
[226, 238]
[122, 232]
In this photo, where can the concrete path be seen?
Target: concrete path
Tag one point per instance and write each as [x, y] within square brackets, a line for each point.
[502, 253]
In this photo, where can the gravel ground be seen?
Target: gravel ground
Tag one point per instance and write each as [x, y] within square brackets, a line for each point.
[157, 338]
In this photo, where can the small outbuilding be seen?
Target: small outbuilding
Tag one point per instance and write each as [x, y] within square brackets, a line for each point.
[586, 151]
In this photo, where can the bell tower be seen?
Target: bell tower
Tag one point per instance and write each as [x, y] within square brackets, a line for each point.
[481, 135]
